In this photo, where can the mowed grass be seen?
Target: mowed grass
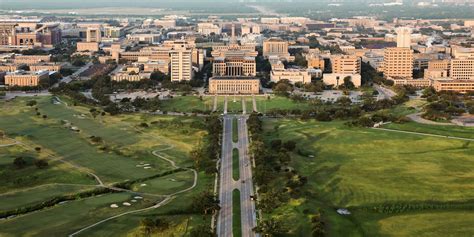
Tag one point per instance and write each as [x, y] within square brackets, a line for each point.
[176, 212]
[38, 194]
[124, 145]
[235, 164]
[167, 184]
[236, 214]
[454, 131]
[268, 103]
[435, 223]
[62, 220]
[120, 156]
[359, 167]
[187, 104]
[15, 179]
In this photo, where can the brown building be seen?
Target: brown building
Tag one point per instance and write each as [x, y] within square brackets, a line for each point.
[23, 78]
[345, 64]
[34, 34]
[234, 85]
[45, 67]
[31, 59]
[398, 63]
[245, 66]
[462, 69]
[275, 47]
[448, 84]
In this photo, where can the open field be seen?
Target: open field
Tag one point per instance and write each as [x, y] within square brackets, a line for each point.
[189, 104]
[122, 152]
[455, 131]
[360, 169]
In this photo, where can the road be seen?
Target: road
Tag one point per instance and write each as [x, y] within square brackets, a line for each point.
[75, 74]
[248, 215]
[384, 93]
[228, 184]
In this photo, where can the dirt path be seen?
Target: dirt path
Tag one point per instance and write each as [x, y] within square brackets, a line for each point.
[416, 117]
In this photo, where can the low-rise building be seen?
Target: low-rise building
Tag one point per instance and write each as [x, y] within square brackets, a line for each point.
[336, 79]
[130, 76]
[87, 47]
[449, 84]
[292, 75]
[234, 85]
[46, 67]
[25, 78]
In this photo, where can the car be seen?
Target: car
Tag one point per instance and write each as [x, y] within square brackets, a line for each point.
[252, 197]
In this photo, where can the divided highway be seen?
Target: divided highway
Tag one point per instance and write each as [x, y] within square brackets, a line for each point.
[228, 184]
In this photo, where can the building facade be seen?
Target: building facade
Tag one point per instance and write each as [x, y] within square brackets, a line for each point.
[346, 64]
[398, 63]
[181, 63]
[23, 78]
[234, 85]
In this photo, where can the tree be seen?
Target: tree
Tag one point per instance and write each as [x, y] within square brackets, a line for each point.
[289, 145]
[275, 144]
[19, 162]
[270, 227]
[282, 88]
[41, 163]
[205, 203]
[31, 103]
[202, 231]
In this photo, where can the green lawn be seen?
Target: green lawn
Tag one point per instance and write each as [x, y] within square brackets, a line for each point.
[121, 155]
[64, 219]
[359, 168]
[167, 184]
[235, 164]
[265, 104]
[455, 131]
[235, 130]
[187, 104]
[236, 215]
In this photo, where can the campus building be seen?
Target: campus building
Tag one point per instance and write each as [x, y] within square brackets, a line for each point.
[234, 85]
[449, 84]
[234, 69]
[29, 34]
[275, 47]
[336, 79]
[462, 68]
[292, 75]
[398, 63]
[346, 64]
[181, 63]
[23, 78]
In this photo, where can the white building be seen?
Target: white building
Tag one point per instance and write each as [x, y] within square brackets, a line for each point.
[181, 63]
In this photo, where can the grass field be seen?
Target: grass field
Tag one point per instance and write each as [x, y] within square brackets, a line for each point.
[455, 131]
[121, 154]
[188, 104]
[235, 164]
[358, 169]
[235, 130]
[236, 218]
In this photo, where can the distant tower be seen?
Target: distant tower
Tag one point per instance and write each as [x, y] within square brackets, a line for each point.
[403, 37]
[233, 40]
